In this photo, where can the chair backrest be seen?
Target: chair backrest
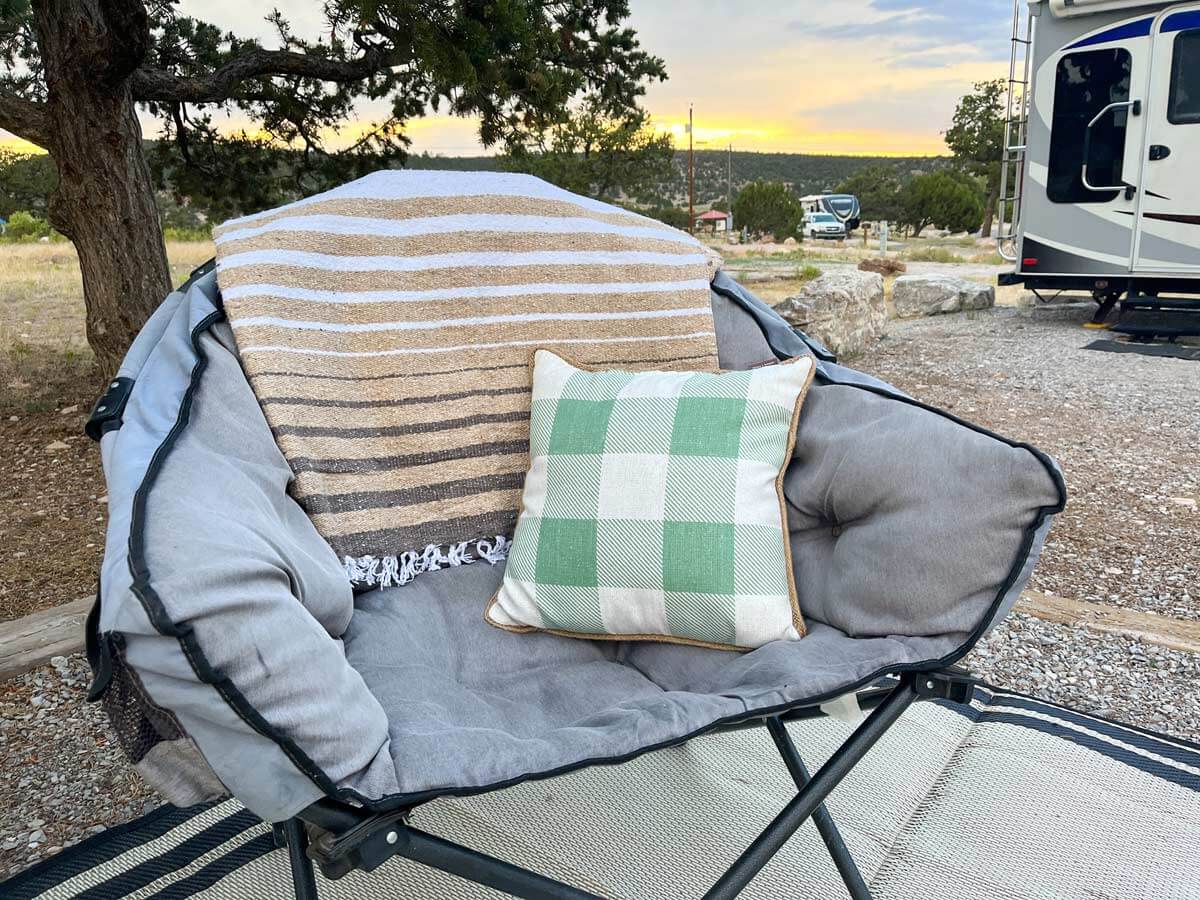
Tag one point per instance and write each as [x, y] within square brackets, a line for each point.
[387, 328]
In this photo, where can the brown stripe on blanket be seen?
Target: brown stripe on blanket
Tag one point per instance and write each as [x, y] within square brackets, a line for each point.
[502, 499]
[428, 207]
[417, 428]
[463, 336]
[406, 419]
[340, 465]
[452, 242]
[324, 446]
[384, 417]
[412, 477]
[297, 388]
[457, 307]
[364, 502]
[423, 534]
[691, 360]
[325, 376]
[524, 278]
[610, 353]
[389, 400]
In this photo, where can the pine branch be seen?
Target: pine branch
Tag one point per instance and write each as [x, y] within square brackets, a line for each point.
[24, 118]
[225, 82]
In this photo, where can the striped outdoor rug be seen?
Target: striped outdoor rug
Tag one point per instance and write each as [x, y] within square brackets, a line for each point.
[1009, 798]
[387, 327]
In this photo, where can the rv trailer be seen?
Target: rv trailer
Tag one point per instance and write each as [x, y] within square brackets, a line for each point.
[844, 207]
[1100, 184]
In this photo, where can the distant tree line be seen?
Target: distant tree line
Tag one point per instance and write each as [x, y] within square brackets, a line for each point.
[959, 192]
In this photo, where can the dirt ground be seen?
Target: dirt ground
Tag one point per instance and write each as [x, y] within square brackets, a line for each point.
[52, 503]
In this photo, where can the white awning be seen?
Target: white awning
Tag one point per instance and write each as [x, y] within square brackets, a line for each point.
[1066, 8]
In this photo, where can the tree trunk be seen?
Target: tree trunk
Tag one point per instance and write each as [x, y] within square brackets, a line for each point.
[104, 201]
[989, 211]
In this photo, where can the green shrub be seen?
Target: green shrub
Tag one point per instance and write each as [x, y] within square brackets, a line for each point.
[769, 208]
[808, 272]
[24, 226]
[668, 215]
[933, 254]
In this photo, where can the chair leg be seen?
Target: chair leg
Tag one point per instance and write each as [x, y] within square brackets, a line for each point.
[838, 851]
[813, 794]
[304, 879]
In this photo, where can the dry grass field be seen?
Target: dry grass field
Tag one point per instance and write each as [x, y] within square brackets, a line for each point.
[52, 504]
[41, 293]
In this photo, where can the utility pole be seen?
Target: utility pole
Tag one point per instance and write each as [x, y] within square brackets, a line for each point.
[691, 176]
[729, 195]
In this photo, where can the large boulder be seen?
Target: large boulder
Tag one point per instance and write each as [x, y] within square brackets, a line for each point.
[845, 310]
[929, 295]
[884, 265]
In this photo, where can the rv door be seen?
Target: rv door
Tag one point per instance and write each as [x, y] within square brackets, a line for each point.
[1094, 89]
[1168, 212]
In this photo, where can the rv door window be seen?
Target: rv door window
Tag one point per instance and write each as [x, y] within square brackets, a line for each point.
[1184, 107]
[1086, 83]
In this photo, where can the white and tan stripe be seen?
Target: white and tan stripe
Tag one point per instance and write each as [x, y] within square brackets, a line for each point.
[387, 328]
[455, 224]
[406, 351]
[486, 261]
[486, 189]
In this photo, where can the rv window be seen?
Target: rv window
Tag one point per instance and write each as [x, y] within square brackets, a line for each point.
[1185, 80]
[1085, 84]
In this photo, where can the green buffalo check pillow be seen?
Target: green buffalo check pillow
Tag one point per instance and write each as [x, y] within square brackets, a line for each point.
[653, 508]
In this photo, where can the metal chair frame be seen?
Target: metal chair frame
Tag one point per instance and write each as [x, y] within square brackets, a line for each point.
[340, 838]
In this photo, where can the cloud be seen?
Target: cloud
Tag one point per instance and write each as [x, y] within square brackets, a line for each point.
[943, 26]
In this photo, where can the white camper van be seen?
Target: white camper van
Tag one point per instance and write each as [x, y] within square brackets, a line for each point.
[1101, 177]
[843, 207]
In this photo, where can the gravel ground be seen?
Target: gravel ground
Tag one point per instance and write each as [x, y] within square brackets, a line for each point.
[1116, 677]
[62, 776]
[1125, 428]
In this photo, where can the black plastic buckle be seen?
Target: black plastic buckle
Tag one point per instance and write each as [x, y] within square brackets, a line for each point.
[106, 414]
[954, 684]
[98, 648]
[365, 846]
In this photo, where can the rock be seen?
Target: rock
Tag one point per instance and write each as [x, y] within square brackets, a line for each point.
[67, 410]
[55, 446]
[1185, 502]
[845, 310]
[883, 265]
[789, 242]
[928, 295]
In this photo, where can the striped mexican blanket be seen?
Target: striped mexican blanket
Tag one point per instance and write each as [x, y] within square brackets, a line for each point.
[387, 328]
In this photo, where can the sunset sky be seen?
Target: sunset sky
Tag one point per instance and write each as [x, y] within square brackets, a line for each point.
[807, 76]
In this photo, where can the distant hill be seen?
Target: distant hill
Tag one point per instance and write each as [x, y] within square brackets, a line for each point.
[805, 173]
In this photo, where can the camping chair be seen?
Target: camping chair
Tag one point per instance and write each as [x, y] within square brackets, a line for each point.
[232, 657]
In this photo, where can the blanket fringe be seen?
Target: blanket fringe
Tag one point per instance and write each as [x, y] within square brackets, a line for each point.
[393, 571]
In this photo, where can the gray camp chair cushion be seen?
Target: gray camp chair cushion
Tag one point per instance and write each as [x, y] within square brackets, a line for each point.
[234, 625]
[236, 628]
[471, 706]
[906, 527]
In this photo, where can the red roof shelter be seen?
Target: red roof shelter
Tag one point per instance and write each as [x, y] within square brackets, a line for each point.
[713, 218]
